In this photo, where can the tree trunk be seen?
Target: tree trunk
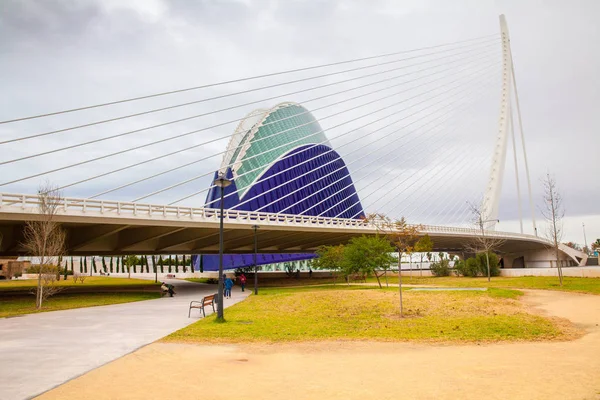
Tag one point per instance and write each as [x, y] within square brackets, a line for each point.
[400, 282]
[40, 288]
[560, 276]
[378, 281]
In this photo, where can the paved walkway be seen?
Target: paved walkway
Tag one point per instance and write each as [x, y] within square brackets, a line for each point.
[41, 351]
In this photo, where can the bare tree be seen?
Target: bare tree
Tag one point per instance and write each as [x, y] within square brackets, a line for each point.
[44, 238]
[483, 242]
[402, 235]
[553, 211]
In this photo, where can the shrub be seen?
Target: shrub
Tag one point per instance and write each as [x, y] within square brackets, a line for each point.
[213, 281]
[477, 266]
[441, 268]
[17, 274]
[467, 267]
[482, 264]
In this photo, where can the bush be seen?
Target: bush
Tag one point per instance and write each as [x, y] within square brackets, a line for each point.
[65, 271]
[212, 281]
[467, 267]
[477, 266]
[17, 274]
[482, 264]
[441, 268]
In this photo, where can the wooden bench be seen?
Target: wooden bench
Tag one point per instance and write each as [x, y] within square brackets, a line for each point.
[206, 301]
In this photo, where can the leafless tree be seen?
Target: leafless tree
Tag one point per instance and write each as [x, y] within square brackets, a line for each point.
[402, 235]
[553, 211]
[484, 241]
[45, 239]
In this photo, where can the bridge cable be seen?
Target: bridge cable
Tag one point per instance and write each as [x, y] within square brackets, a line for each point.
[164, 140]
[312, 146]
[493, 43]
[127, 133]
[373, 181]
[241, 80]
[332, 172]
[384, 117]
[225, 151]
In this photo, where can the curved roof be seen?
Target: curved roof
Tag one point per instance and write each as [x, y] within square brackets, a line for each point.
[264, 136]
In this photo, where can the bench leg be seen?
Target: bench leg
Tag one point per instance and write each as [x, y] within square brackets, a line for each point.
[189, 312]
[203, 313]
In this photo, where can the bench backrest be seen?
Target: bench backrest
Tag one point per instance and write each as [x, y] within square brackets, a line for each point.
[207, 300]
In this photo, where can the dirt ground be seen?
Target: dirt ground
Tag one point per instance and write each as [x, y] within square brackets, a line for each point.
[359, 370]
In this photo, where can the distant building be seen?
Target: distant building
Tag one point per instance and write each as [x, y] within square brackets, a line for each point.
[280, 161]
[9, 267]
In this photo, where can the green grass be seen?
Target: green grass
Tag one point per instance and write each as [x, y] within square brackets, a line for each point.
[13, 306]
[369, 313]
[570, 284]
[90, 281]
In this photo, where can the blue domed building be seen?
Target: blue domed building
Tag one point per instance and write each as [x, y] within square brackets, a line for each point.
[280, 161]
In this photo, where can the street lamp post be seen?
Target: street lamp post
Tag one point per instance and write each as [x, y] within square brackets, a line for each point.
[255, 227]
[222, 182]
[487, 256]
[585, 238]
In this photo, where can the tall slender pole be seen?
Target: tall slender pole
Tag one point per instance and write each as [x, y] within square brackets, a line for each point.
[400, 280]
[220, 290]
[508, 56]
[585, 238]
[155, 269]
[255, 227]
[514, 143]
[487, 256]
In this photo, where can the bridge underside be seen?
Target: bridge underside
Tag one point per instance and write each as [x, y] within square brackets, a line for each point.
[144, 237]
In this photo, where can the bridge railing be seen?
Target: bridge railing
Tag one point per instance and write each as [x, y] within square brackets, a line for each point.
[92, 207]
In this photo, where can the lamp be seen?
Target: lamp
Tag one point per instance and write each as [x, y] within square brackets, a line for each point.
[221, 182]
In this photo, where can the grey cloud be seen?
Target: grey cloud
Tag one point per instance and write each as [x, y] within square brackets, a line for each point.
[62, 54]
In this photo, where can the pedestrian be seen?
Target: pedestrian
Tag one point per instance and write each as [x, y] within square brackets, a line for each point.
[309, 272]
[228, 286]
[243, 281]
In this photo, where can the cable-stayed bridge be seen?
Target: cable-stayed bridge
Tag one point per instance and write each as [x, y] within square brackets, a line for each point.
[413, 133]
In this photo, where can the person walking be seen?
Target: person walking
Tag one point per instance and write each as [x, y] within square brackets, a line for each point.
[243, 281]
[228, 286]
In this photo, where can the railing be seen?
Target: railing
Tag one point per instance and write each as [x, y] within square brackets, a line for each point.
[92, 207]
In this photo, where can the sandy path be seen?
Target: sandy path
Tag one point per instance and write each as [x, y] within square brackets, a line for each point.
[343, 370]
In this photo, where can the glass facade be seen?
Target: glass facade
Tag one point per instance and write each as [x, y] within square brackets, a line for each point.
[287, 127]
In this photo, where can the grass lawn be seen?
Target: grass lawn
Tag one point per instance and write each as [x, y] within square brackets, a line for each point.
[369, 313]
[90, 281]
[10, 307]
[570, 284]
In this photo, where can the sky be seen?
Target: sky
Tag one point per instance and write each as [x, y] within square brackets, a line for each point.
[59, 54]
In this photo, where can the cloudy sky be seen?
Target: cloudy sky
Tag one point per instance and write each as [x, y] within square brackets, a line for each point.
[59, 54]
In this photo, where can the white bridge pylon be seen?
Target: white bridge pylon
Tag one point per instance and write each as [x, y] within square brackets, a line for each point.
[491, 198]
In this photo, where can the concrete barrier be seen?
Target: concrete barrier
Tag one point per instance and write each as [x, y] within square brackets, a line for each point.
[580, 272]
